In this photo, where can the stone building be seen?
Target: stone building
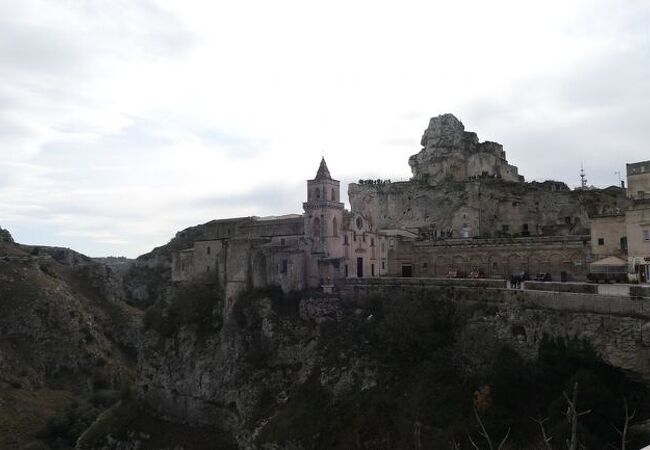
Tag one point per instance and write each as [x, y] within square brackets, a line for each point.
[295, 251]
[608, 235]
[638, 180]
[637, 220]
[627, 232]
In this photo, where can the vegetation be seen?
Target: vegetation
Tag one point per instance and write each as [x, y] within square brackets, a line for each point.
[191, 304]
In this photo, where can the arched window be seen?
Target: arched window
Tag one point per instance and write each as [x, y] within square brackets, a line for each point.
[333, 195]
[335, 227]
[317, 193]
[316, 227]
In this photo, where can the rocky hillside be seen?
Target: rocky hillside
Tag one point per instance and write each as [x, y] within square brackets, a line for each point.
[81, 368]
[67, 344]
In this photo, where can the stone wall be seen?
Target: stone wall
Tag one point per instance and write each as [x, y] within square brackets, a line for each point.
[493, 257]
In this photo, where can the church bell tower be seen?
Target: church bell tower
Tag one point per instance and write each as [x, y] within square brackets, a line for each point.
[323, 212]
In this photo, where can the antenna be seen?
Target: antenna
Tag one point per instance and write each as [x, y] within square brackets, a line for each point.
[583, 177]
[620, 181]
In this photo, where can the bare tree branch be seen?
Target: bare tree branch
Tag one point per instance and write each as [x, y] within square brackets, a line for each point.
[472, 441]
[503, 441]
[626, 424]
[545, 437]
[572, 416]
[483, 431]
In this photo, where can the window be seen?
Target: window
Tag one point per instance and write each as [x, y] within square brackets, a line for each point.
[383, 265]
[335, 227]
[333, 195]
[646, 235]
[641, 194]
[207, 268]
[601, 241]
[359, 223]
[345, 240]
[567, 220]
[372, 270]
[624, 243]
[354, 236]
[207, 250]
[425, 265]
[346, 270]
[363, 237]
[285, 266]
[525, 227]
[282, 241]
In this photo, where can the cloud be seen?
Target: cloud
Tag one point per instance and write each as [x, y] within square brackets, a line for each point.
[122, 122]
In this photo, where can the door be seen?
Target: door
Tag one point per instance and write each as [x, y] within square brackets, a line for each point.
[359, 267]
[407, 270]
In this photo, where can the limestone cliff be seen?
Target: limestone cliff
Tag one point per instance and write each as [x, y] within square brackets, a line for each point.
[485, 208]
[310, 372]
[452, 154]
[463, 188]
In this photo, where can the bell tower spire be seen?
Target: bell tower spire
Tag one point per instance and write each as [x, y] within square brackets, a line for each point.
[323, 172]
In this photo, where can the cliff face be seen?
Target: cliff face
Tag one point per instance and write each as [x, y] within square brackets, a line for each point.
[487, 208]
[66, 336]
[292, 372]
[464, 188]
[313, 372]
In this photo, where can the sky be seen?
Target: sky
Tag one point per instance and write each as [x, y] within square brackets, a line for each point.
[125, 121]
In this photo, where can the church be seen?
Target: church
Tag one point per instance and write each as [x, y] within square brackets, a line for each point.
[295, 251]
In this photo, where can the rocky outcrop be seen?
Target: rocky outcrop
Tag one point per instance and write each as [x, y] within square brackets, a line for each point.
[5, 236]
[464, 188]
[452, 154]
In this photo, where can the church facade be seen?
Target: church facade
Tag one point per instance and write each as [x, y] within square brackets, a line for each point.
[296, 251]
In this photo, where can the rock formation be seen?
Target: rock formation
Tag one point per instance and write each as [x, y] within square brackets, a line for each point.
[462, 188]
[5, 236]
[452, 154]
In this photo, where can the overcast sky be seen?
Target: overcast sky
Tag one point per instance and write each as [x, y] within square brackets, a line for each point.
[124, 121]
